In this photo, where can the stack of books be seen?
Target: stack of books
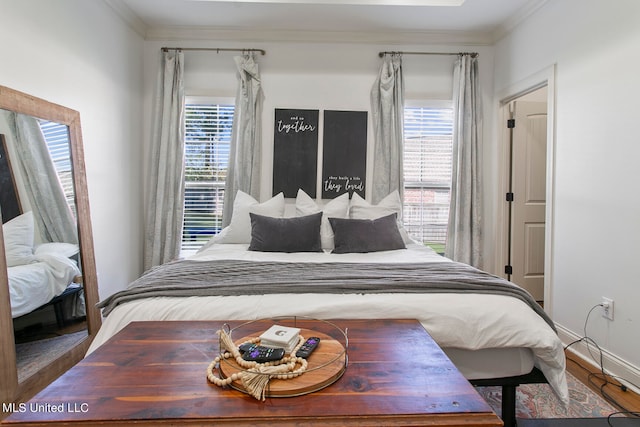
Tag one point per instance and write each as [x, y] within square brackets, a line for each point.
[280, 337]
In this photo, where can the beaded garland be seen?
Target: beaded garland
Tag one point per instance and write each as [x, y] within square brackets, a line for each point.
[257, 375]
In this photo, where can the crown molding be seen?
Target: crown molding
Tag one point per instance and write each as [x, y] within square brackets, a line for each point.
[268, 35]
[516, 19]
[471, 38]
[128, 16]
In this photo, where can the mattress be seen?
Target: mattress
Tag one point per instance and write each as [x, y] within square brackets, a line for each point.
[491, 362]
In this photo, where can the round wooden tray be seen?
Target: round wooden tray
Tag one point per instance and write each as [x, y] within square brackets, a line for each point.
[325, 366]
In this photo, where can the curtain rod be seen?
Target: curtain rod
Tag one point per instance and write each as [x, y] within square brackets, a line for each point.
[215, 49]
[473, 54]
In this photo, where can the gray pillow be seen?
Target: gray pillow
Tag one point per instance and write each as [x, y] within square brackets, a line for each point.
[297, 234]
[366, 235]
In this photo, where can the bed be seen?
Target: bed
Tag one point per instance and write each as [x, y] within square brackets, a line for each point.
[36, 273]
[363, 265]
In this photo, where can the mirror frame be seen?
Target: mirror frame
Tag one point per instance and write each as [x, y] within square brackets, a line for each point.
[12, 391]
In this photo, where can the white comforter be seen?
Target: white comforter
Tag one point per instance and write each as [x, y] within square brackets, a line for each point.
[32, 285]
[462, 321]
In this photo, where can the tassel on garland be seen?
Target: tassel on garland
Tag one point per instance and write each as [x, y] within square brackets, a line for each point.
[255, 380]
[228, 344]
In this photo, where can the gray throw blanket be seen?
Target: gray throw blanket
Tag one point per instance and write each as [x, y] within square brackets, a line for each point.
[233, 277]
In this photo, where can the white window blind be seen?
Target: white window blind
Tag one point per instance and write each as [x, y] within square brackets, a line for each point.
[428, 141]
[207, 138]
[56, 136]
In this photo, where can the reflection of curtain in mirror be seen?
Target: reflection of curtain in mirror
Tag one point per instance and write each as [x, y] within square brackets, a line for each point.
[52, 214]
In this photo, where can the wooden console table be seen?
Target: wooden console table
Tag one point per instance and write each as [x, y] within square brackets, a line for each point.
[154, 373]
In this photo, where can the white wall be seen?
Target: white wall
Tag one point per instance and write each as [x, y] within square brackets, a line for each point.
[81, 55]
[596, 46]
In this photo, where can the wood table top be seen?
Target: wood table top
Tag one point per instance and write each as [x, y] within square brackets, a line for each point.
[154, 373]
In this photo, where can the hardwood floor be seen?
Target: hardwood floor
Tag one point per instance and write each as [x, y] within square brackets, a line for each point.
[610, 389]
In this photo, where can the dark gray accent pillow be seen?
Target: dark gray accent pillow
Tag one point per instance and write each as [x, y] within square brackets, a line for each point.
[297, 234]
[366, 235]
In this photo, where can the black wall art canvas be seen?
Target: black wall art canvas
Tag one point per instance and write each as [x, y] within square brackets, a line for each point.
[295, 151]
[344, 160]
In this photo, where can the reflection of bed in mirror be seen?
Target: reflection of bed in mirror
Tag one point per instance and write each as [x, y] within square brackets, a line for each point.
[39, 274]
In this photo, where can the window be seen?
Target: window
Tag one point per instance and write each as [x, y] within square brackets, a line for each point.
[207, 138]
[428, 142]
[56, 136]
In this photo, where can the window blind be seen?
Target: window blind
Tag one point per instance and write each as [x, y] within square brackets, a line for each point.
[207, 141]
[428, 143]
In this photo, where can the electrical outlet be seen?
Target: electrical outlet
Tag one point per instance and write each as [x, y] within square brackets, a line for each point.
[607, 308]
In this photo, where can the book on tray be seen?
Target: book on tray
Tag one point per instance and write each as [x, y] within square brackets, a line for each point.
[280, 337]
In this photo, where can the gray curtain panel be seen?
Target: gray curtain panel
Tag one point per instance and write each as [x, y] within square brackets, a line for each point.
[464, 236]
[387, 111]
[52, 214]
[246, 138]
[165, 186]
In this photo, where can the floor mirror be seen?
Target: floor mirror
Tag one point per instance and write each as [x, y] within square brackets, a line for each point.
[48, 279]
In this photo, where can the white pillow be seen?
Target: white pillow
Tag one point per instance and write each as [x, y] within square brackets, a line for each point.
[67, 250]
[18, 240]
[239, 230]
[361, 209]
[336, 208]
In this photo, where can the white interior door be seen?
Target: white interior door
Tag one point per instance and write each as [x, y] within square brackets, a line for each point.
[529, 158]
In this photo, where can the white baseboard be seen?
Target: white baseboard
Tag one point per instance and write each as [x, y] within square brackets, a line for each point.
[625, 372]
